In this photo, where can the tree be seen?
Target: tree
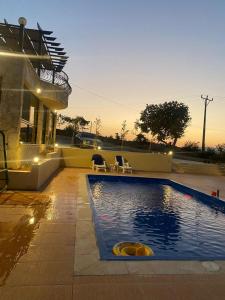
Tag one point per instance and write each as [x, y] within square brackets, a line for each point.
[140, 138]
[220, 148]
[78, 123]
[136, 128]
[117, 136]
[75, 124]
[191, 146]
[210, 151]
[123, 132]
[98, 125]
[220, 152]
[68, 130]
[166, 122]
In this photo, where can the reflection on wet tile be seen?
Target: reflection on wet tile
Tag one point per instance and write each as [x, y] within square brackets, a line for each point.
[19, 220]
[38, 250]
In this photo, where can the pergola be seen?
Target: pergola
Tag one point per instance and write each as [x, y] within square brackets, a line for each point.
[38, 44]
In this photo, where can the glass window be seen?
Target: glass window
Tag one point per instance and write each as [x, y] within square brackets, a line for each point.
[51, 129]
[28, 127]
[44, 124]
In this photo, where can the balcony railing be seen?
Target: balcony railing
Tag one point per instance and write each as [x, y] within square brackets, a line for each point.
[58, 78]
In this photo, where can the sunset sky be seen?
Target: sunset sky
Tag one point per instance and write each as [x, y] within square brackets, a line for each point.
[126, 53]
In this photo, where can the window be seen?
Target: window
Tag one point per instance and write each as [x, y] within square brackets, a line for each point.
[28, 127]
[44, 124]
[51, 129]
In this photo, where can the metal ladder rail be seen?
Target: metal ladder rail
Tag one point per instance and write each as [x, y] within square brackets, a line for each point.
[4, 170]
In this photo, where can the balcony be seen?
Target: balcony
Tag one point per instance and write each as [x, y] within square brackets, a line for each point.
[42, 61]
[59, 79]
[54, 90]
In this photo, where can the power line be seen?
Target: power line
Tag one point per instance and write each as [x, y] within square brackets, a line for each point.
[183, 98]
[188, 98]
[98, 95]
[108, 99]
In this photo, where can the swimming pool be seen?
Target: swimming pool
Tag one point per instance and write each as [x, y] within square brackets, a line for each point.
[177, 222]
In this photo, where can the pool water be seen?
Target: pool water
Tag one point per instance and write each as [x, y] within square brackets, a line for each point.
[175, 221]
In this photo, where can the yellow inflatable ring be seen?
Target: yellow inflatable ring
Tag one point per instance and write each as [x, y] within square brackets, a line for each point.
[132, 249]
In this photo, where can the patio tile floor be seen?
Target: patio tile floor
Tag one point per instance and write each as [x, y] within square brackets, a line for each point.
[38, 242]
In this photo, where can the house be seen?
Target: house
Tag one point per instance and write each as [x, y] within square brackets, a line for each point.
[33, 86]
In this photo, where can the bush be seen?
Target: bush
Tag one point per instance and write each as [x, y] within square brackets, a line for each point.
[191, 146]
[220, 148]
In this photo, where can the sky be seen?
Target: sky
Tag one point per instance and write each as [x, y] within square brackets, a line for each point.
[125, 54]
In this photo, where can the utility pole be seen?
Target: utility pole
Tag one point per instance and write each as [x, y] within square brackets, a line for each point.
[207, 101]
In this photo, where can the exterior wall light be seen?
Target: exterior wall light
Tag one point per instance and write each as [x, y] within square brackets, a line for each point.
[170, 153]
[38, 90]
[36, 159]
[31, 221]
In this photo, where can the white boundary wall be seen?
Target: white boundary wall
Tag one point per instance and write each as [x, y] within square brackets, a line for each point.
[153, 162]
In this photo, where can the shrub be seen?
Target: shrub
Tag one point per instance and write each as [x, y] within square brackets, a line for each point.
[191, 146]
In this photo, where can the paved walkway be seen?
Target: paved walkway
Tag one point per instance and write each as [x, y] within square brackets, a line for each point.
[37, 246]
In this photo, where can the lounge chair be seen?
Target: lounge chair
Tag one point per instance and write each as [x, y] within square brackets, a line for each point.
[98, 163]
[121, 163]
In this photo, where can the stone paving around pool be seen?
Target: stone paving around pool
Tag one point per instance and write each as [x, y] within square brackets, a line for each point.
[48, 250]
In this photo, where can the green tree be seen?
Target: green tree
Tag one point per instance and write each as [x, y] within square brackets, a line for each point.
[166, 122]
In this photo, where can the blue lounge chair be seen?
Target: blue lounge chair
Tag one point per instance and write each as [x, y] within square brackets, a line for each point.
[122, 164]
[98, 163]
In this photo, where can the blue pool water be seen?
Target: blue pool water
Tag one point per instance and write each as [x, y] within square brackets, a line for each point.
[175, 221]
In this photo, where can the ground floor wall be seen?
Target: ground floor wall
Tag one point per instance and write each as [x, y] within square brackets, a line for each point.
[11, 101]
[37, 177]
[41, 173]
[25, 114]
[153, 162]
[29, 151]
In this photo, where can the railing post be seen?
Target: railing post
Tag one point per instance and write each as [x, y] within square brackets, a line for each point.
[53, 76]
[39, 52]
[22, 22]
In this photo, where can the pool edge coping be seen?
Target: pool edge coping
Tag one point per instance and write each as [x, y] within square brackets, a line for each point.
[89, 262]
